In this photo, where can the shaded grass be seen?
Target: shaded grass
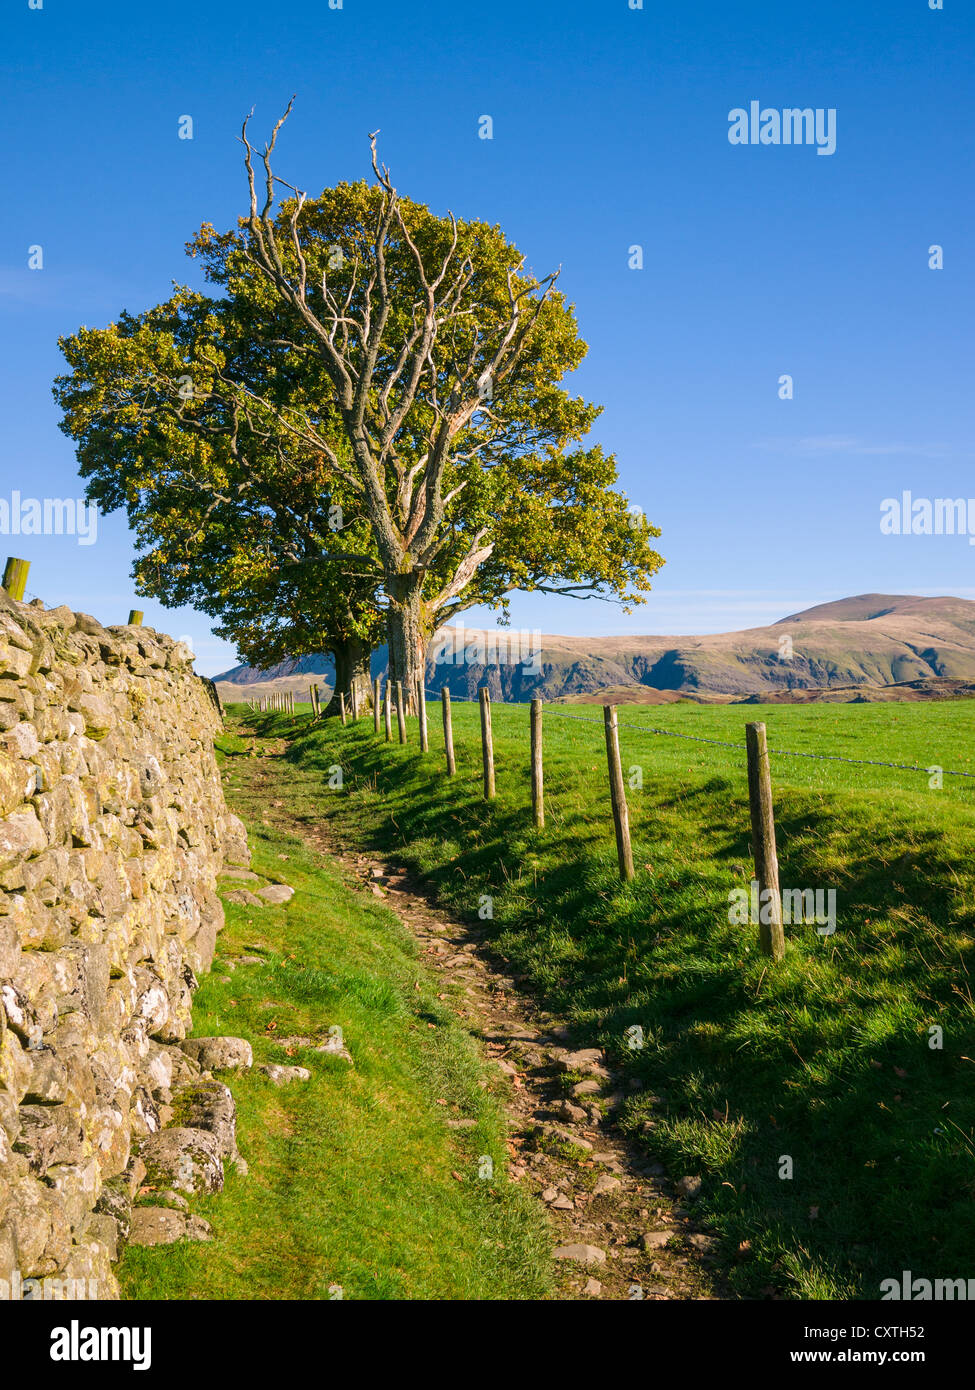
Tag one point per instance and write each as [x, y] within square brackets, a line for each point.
[822, 1067]
[356, 1182]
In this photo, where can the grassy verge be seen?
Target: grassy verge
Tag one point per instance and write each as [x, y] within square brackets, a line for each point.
[356, 1182]
[833, 1136]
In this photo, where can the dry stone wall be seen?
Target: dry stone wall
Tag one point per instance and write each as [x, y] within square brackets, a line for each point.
[113, 829]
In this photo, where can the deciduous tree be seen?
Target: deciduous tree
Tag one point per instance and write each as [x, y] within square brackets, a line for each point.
[414, 358]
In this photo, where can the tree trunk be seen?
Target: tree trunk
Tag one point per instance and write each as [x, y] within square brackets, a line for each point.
[407, 635]
[351, 668]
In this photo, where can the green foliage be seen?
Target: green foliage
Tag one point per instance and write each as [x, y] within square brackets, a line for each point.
[366, 354]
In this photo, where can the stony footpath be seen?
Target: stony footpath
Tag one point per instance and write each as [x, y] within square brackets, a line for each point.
[621, 1230]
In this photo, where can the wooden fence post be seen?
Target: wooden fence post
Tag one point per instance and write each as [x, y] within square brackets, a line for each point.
[771, 936]
[448, 731]
[487, 744]
[15, 577]
[376, 711]
[421, 709]
[388, 710]
[400, 716]
[342, 707]
[621, 816]
[538, 784]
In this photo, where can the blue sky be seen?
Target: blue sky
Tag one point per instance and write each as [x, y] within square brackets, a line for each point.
[610, 130]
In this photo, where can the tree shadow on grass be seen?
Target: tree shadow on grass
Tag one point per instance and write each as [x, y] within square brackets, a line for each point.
[832, 1137]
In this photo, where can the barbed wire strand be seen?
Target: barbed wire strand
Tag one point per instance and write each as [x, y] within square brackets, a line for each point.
[724, 743]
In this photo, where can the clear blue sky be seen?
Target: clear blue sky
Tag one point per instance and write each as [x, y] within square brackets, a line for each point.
[610, 129]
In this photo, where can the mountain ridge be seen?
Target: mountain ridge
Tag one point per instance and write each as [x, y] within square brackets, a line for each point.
[868, 640]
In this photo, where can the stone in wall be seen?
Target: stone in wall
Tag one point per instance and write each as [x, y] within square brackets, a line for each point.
[113, 829]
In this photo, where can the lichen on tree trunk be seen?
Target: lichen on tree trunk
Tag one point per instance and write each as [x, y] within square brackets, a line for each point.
[407, 628]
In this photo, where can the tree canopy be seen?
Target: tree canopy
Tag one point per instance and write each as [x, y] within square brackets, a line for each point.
[358, 353]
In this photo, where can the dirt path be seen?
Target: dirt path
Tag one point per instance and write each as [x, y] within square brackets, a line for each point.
[623, 1226]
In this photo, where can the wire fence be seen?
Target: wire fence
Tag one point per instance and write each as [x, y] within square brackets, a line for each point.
[762, 847]
[726, 743]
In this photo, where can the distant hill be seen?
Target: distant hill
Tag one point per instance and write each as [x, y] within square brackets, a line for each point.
[315, 667]
[932, 688]
[869, 641]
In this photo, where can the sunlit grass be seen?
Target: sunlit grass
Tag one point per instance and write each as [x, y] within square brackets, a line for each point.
[824, 1060]
[352, 1182]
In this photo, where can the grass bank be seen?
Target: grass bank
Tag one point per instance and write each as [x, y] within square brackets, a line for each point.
[833, 1135]
[356, 1181]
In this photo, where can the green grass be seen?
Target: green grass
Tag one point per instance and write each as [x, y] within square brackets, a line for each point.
[825, 1058]
[351, 1175]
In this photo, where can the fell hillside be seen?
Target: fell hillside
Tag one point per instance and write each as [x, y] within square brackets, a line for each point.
[870, 640]
[932, 688]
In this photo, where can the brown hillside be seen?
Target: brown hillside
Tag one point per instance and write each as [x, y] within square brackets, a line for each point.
[871, 640]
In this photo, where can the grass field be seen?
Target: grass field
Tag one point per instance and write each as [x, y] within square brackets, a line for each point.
[356, 1181]
[823, 1067]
